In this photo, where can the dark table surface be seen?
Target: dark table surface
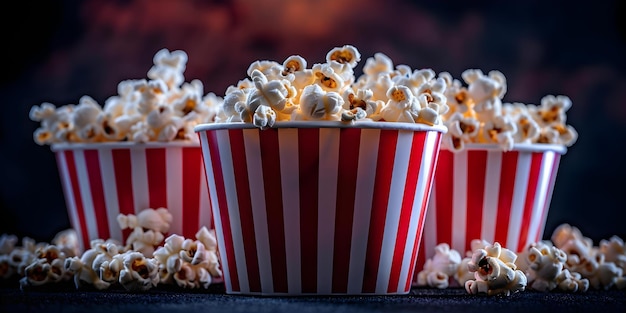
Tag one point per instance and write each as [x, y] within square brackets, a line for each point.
[65, 298]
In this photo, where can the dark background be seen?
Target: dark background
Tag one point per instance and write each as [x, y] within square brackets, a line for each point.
[58, 51]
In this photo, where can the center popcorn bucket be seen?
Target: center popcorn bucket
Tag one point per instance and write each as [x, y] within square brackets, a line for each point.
[319, 208]
[485, 193]
[103, 180]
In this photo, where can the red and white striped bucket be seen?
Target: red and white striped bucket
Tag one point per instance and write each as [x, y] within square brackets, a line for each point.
[319, 208]
[103, 180]
[485, 193]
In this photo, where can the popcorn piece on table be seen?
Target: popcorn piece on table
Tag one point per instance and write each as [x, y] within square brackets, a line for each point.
[441, 268]
[47, 267]
[148, 227]
[495, 272]
[189, 263]
[586, 259]
[95, 267]
[544, 266]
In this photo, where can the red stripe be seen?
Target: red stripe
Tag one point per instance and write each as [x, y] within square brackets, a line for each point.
[192, 160]
[505, 198]
[444, 183]
[124, 184]
[476, 168]
[382, 185]
[231, 277]
[78, 199]
[406, 209]
[242, 185]
[529, 209]
[349, 142]
[270, 158]
[423, 211]
[308, 157]
[546, 205]
[92, 162]
[157, 178]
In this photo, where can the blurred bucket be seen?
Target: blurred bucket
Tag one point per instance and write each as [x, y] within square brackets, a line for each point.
[103, 180]
[319, 208]
[485, 193]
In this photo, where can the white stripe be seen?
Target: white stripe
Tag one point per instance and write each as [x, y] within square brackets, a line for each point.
[517, 203]
[174, 187]
[543, 185]
[139, 172]
[288, 153]
[85, 193]
[221, 246]
[204, 218]
[421, 192]
[459, 202]
[394, 207]
[109, 187]
[70, 201]
[490, 196]
[366, 175]
[327, 197]
[259, 213]
[552, 180]
[233, 208]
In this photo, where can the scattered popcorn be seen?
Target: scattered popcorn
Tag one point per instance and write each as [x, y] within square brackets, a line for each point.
[47, 267]
[160, 108]
[189, 263]
[440, 270]
[148, 227]
[544, 265]
[138, 272]
[495, 272]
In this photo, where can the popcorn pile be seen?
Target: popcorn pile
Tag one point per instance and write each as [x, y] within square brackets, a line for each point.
[139, 265]
[478, 115]
[567, 263]
[160, 108]
[331, 91]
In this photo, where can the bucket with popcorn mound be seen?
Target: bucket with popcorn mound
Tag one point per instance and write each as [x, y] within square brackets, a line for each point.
[497, 167]
[319, 208]
[137, 151]
[102, 181]
[319, 179]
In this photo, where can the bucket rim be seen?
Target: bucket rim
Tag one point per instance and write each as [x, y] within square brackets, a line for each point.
[326, 124]
[122, 145]
[521, 147]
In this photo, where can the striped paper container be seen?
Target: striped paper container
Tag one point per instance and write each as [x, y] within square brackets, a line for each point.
[319, 208]
[485, 193]
[103, 180]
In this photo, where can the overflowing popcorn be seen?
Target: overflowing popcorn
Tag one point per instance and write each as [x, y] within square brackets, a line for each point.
[331, 91]
[160, 108]
[478, 115]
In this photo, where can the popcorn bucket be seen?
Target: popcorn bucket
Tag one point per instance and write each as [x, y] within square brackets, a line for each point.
[485, 193]
[319, 208]
[103, 180]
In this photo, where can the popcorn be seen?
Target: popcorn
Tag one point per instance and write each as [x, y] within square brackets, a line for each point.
[544, 265]
[189, 263]
[148, 227]
[47, 267]
[162, 108]
[495, 272]
[331, 91]
[441, 268]
[480, 105]
[138, 273]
